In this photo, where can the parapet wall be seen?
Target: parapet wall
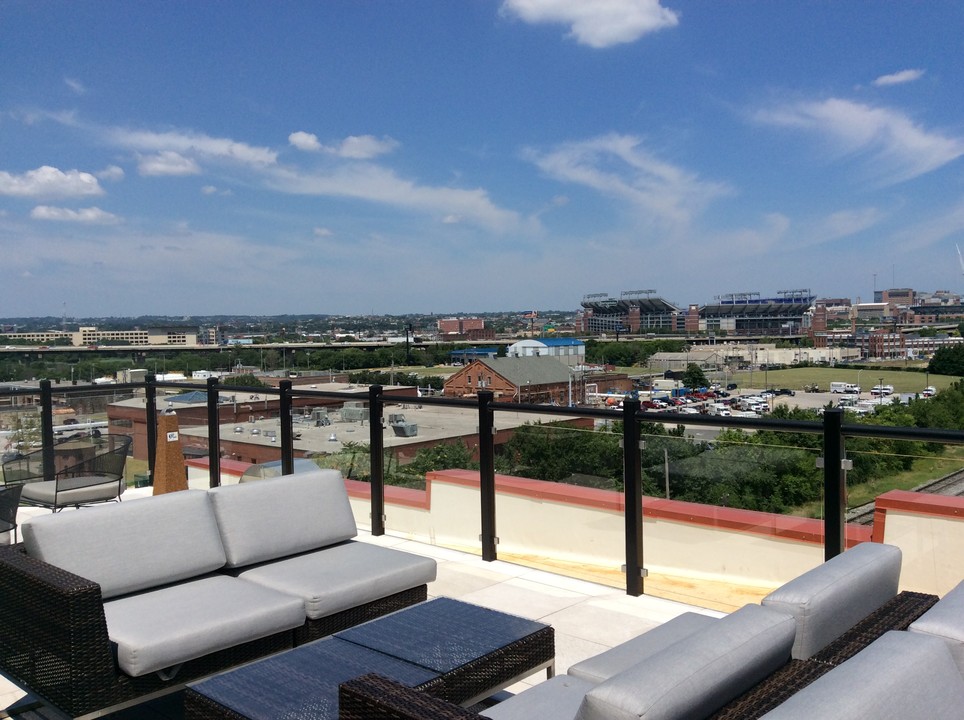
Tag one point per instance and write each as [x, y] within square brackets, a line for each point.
[586, 526]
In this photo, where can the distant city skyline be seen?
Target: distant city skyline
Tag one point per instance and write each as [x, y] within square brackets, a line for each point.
[390, 158]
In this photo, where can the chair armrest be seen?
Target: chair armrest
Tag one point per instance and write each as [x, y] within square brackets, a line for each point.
[53, 632]
[374, 697]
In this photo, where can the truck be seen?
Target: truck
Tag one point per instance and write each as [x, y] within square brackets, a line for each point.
[844, 387]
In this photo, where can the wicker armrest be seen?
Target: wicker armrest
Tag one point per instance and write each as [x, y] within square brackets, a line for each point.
[374, 697]
[53, 632]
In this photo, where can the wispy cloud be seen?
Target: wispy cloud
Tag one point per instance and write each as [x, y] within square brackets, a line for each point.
[111, 172]
[193, 145]
[899, 78]
[365, 181]
[167, 162]
[76, 87]
[898, 148]
[842, 224]
[351, 175]
[597, 23]
[354, 147]
[619, 166]
[47, 181]
[747, 241]
[87, 216]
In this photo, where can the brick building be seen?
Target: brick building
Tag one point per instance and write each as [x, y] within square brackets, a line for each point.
[525, 380]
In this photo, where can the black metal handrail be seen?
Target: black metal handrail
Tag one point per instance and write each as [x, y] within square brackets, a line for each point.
[832, 428]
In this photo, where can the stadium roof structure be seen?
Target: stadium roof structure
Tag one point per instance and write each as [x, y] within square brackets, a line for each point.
[610, 305]
[788, 303]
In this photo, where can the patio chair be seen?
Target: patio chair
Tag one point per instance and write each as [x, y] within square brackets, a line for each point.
[9, 501]
[87, 470]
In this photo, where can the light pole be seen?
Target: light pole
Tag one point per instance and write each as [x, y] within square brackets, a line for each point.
[766, 372]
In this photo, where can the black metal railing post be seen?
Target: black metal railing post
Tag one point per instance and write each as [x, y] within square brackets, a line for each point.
[214, 434]
[287, 434]
[633, 495]
[377, 447]
[834, 487]
[150, 408]
[488, 537]
[46, 429]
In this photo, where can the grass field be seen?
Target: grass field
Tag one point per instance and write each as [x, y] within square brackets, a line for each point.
[925, 470]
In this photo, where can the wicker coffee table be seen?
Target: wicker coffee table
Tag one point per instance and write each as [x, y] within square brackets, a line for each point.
[451, 649]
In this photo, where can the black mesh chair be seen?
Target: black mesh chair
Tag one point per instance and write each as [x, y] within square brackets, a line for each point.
[87, 469]
[9, 502]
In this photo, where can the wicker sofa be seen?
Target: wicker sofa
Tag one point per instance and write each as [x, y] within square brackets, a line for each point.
[742, 665]
[104, 605]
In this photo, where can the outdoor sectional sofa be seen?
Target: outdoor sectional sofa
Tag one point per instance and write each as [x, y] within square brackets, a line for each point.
[822, 640]
[103, 605]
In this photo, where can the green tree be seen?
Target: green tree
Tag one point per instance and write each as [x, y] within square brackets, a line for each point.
[948, 360]
[694, 377]
[243, 381]
[444, 456]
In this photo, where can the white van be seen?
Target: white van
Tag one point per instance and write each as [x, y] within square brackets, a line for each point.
[838, 387]
[718, 409]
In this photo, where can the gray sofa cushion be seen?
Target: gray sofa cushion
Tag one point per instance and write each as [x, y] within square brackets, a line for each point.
[946, 621]
[613, 661]
[699, 673]
[133, 545]
[282, 516]
[558, 698]
[834, 596]
[167, 626]
[342, 576]
[74, 490]
[900, 675]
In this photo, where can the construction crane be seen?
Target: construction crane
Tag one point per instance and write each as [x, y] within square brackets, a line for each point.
[960, 258]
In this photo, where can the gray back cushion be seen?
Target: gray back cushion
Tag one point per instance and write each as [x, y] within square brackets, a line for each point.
[834, 596]
[282, 516]
[899, 675]
[946, 621]
[133, 545]
[699, 673]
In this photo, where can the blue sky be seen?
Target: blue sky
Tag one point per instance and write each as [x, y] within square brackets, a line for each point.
[454, 156]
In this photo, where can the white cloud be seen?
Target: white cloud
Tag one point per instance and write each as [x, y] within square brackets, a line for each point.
[619, 166]
[845, 223]
[209, 190]
[304, 141]
[167, 162]
[372, 183]
[899, 148]
[363, 147]
[452, 219]
[597, 23]
[194, 145]
[749, 242]
[47, 181]
[111, 172]
[899, 78]
[76, 87]
[322, 232]
[88, 216]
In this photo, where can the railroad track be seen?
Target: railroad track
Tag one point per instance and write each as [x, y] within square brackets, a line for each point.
[951, 484]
